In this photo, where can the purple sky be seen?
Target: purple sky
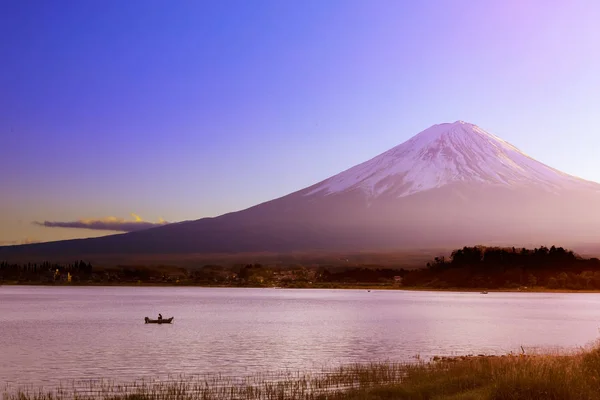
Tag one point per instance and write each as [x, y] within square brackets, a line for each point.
[185, 109]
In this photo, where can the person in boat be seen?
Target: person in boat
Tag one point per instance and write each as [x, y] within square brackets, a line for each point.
[160, 317]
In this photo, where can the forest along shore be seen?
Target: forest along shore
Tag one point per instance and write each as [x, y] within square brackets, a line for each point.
[478, 268]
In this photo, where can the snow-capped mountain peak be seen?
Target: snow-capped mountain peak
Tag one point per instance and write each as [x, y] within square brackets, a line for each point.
[444, 154]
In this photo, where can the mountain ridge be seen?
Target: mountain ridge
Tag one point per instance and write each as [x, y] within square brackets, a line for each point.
[450, 185]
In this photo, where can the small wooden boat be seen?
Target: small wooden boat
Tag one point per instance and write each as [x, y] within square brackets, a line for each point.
[484, 292]
[158, 321]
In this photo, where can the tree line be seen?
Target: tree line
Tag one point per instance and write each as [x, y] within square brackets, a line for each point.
[493, 267]
[44, 272]
[469, 267]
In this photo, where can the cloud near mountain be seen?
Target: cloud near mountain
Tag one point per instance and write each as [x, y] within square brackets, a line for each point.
[106, 224]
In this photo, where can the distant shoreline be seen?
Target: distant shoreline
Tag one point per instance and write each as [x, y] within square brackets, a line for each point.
[470, 269]
[340, 287]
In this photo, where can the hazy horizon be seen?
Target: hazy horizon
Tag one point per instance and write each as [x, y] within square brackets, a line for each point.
[176, 112]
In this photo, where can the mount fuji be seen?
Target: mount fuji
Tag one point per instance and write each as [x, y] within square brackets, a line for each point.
[446, 154]
[453, 184]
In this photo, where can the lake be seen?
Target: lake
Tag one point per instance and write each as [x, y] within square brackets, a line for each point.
[52, 334]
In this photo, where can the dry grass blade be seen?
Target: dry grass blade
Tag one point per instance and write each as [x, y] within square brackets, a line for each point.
[548, 376]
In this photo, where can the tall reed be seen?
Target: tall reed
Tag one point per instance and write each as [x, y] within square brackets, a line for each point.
[565, 376]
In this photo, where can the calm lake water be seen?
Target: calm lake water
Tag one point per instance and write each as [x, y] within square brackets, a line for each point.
[50, 334]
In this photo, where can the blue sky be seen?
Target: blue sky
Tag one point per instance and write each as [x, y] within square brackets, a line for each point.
[185, 109]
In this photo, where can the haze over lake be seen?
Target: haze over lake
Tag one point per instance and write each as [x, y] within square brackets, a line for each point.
[51, 333]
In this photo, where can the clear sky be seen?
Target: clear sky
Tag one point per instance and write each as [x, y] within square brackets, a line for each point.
[185, 109]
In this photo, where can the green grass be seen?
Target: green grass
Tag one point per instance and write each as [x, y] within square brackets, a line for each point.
[549, 376]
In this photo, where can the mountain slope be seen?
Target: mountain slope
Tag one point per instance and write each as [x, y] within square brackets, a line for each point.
[450, 185]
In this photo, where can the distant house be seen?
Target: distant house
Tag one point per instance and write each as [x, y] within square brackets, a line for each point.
[397, 279]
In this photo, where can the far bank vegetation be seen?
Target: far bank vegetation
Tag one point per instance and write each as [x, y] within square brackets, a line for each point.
[467, 268]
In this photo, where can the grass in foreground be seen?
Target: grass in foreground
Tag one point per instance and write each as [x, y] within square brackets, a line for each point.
[564, 377]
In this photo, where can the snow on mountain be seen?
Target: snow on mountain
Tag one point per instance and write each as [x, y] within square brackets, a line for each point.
[444, 154]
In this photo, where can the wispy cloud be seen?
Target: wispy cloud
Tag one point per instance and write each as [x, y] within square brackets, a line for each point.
[106, 224]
